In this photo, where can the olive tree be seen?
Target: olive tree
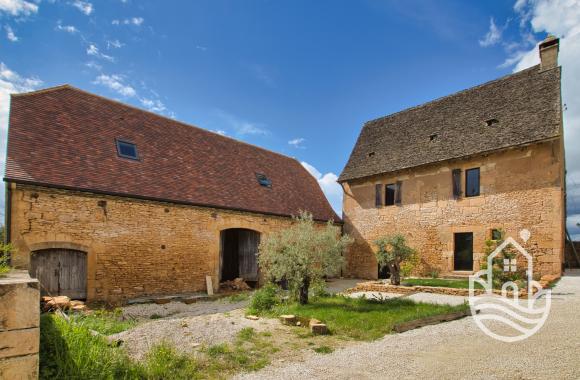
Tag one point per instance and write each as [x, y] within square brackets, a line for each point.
[392, 251]
[302, 254]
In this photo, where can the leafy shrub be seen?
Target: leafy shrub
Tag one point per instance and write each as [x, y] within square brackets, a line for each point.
[434, 273]
[392, 252]
[264, 299]
[5, 251]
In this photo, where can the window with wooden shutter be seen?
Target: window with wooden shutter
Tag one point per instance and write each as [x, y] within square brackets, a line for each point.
[456, 178]
[398, 194]
[378, 196]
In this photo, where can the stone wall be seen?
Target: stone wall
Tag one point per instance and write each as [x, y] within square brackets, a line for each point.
[134, 247]
[19, 326]
[520, 188]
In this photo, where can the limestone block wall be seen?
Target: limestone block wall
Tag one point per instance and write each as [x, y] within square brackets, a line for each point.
[520, 188]
[134, 247]
[19, 326]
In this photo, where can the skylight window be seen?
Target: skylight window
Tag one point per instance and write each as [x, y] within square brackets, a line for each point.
[263, 180]
[127, 149]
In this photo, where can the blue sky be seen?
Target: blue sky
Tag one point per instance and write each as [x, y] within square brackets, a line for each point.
[297, 77]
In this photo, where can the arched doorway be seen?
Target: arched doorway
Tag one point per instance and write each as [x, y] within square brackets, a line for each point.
[238, 254]
[60, 272]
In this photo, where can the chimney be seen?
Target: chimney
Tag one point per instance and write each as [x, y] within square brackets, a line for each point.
[549, 52]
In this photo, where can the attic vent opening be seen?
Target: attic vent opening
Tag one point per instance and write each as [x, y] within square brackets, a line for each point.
[127, 149]
[371, 154]
[263, 180]
[491, 122]
[433, 137]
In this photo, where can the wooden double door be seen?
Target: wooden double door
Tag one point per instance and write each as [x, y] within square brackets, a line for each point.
[60, 272]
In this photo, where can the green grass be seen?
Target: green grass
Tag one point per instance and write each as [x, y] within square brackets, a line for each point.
[439, 282]
[363, 319]
[105, 322]
[324, 350]
[70, 351]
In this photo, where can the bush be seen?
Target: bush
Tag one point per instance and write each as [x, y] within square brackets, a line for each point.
[392, 252]
[5, 251]
[264, 299]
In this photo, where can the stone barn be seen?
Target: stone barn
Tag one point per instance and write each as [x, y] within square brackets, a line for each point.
[108, 202]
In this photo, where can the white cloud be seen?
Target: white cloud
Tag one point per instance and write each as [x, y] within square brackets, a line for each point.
[83, 6]
[67, 28]
[94, 65]
[199, 47]
[129, 21]
[297, 142]
[220, 132]
[95, 52]
[10, 33]
[561, 18]
[10, 83]
[153, 105]
[116, 83]
[114, 44]
[18, 7]
[493, 36]
[243, 127]
[329, 186]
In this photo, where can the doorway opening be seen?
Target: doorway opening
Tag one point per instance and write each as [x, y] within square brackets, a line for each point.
[238, 255]
[463, 254]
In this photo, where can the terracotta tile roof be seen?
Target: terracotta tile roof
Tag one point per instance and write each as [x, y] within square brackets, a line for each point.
[65, 137]
[522, 108]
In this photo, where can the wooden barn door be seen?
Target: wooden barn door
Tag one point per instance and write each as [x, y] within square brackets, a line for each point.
[248, 249]
[60, 272]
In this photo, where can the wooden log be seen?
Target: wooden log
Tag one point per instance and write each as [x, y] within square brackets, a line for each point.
[433, 320]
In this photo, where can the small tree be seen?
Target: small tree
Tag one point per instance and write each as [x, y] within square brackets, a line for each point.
[393, 250]
[302, 254]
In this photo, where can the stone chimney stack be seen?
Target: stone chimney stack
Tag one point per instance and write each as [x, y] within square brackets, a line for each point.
[549, 52]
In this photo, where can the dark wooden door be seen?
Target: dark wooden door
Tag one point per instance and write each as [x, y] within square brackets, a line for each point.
[248, 249]
[60, 272]
[463, 255]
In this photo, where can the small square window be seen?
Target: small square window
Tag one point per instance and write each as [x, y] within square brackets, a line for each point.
[263, 180]
[127, 149]
[495, 234]
[472, 182]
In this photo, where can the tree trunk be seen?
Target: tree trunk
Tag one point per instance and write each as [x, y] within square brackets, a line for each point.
[395, 274]
[303, 296]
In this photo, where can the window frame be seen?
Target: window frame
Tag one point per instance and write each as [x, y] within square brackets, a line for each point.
[467, 193]
[393, 187]
[118, 143]
[263, 177]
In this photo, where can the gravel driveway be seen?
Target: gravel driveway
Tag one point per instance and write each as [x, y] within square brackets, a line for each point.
[456, 350]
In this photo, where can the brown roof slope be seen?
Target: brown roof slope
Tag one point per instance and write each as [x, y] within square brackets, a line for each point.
[526, 105]
[65, 137]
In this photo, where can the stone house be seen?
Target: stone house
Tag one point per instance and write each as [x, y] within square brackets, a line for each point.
[108, 202]
[452, 173]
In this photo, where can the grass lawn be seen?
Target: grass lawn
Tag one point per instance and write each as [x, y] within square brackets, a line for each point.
[364, 319]
[70, 351]
[439, 282]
